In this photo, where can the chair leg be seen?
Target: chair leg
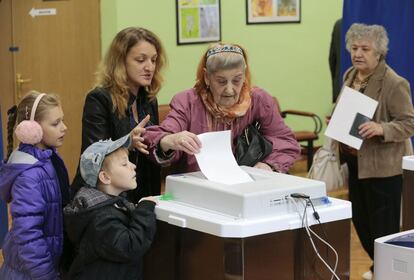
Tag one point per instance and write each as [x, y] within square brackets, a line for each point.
[309, 153]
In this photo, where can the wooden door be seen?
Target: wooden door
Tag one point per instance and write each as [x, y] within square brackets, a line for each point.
[53, 47]
[6, 66]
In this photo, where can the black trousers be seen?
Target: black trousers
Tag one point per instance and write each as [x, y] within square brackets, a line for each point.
[376, 205]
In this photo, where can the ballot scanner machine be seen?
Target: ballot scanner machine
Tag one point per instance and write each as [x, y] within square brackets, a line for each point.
[394, 256]
[209, 230]
[408, 193]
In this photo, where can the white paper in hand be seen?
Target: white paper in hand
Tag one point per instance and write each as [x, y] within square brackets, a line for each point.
[350, 103]
[216, 159]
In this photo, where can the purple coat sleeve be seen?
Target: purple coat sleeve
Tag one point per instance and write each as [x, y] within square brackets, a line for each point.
[179, 119]
[27, 210]
[188, 113]
[285, 147]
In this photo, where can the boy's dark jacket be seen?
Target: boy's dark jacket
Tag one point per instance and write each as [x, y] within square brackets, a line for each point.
[109, 234]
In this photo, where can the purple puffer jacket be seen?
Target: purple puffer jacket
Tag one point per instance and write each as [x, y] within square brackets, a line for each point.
[33, 245]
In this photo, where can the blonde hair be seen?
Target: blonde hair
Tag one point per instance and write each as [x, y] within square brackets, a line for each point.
[23, 110]
[112, 73]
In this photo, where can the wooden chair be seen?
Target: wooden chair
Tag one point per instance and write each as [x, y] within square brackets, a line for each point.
[163, 111]
[307, 136]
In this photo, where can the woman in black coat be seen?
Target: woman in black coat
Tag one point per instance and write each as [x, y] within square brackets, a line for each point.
[128, 81]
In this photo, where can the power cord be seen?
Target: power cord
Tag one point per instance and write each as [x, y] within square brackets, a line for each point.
[315, 213]
[309, 231]
[317, 217]
[305, 198]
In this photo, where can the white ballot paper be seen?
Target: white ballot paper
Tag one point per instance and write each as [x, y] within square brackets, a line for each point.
[351, 104]
[216, 159]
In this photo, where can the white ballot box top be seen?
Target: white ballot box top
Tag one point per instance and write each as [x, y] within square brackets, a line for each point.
[203, 220]
[264, 195]
[262, 206]
[408, 163]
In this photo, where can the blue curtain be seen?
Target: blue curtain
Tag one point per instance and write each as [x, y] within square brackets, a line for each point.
[3, 206]
[397, 16]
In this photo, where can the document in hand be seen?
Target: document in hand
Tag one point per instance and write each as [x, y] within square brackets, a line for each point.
[352, 109]
[216, 159]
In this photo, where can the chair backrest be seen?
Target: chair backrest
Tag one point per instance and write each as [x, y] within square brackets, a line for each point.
[163, 111]
[277, 104]
[304, 135]
[316, 120]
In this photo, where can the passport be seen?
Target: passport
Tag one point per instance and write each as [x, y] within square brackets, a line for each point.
[359, 119]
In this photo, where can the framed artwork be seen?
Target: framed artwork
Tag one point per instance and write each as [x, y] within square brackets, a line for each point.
[198, 21]
[272, 11]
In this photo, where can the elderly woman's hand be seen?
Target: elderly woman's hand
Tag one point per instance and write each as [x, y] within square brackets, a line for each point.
[262, 165]
[182, 141]
[370, 129]
[137, 140]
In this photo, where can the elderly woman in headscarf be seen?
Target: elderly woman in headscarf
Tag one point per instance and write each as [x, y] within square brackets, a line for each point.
[222, 99]
[375, 171]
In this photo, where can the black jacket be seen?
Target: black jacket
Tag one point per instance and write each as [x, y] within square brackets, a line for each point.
[335, 59]
[100, 122]
[110, 235]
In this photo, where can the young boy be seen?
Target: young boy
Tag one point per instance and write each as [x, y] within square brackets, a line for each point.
[110, 234]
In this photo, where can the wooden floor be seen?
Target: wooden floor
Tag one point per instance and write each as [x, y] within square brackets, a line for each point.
[360, 262]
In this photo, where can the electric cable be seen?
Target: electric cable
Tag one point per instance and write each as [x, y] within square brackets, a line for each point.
[316, 216]
[310, 231]
[321, 239]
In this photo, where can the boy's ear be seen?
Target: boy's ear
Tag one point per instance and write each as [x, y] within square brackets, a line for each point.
[104, 178]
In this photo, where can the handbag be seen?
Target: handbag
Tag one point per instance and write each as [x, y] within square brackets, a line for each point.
[326, 166]
[251, 146]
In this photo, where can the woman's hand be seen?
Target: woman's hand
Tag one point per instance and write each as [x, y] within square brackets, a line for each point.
[370, 129]
[137, 140]
[182, 141]
[262, 165]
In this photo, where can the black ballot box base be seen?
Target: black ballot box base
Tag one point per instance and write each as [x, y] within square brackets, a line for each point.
[407, 197]
[185, 254]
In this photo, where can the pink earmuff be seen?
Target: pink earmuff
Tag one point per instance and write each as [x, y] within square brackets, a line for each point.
[30, 131]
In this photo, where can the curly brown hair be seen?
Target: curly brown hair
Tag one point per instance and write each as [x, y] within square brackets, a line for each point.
[112, 72]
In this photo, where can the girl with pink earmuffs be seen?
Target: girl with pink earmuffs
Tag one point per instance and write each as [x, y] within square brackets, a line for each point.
[34, 181]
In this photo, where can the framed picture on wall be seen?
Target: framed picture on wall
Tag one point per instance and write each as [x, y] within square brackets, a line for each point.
[198, 21]
[272, 11]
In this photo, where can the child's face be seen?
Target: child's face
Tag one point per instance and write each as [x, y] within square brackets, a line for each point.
[53, 128]
[121, 171]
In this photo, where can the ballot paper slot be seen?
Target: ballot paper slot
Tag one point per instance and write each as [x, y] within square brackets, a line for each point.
[264, 196]
[200, 176]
